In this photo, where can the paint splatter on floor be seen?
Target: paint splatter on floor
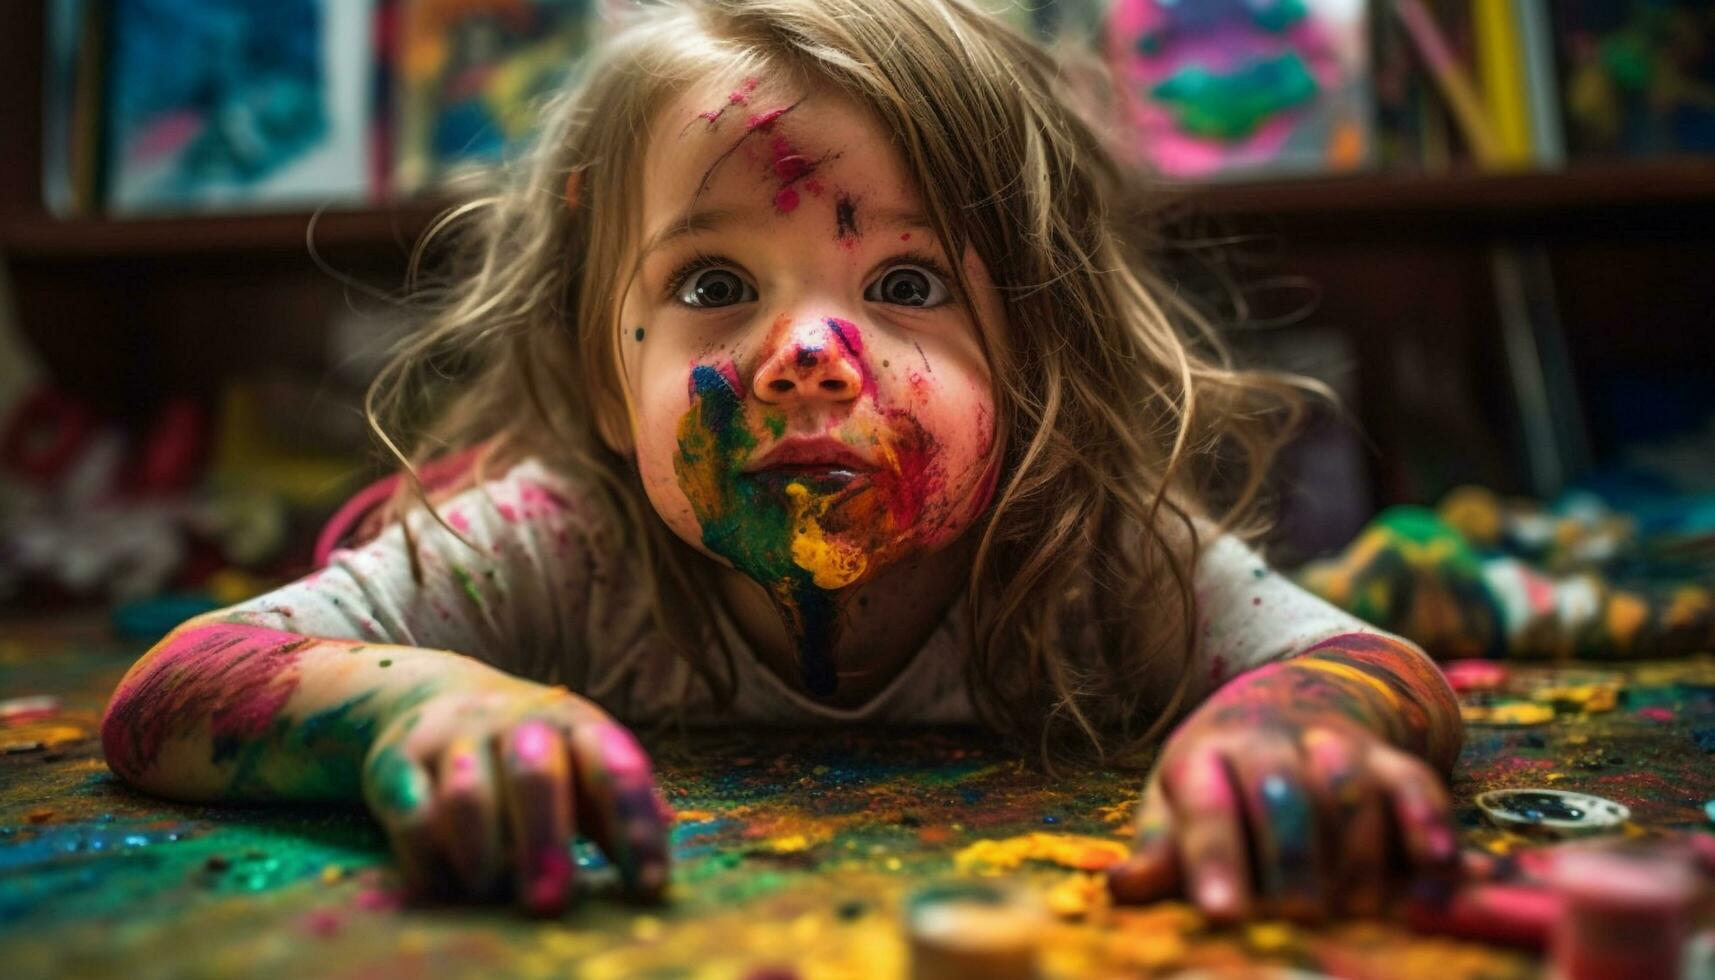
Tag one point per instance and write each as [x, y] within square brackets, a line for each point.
[794, 852]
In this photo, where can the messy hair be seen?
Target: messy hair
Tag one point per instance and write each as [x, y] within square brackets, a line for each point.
[1115, 398]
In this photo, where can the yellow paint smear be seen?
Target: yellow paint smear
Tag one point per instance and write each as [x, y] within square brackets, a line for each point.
[1067, 850]
[832, 565]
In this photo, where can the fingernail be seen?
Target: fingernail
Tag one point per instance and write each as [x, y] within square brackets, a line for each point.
[530, 742]
[550, 880]
[1215, 893]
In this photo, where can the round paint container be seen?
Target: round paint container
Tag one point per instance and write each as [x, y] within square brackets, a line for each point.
[972, 931]
[1552, 811]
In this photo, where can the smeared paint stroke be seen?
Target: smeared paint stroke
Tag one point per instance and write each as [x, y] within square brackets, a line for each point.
[845, 221]
[737, 97]
[236, 679]
[805, 538]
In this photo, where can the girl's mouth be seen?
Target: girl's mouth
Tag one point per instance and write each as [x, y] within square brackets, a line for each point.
[820, 456]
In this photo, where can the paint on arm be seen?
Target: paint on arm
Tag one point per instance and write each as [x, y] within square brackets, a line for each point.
[219, 711]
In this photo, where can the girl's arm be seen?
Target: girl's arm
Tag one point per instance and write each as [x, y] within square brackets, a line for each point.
[1282, 791]
[341, 686]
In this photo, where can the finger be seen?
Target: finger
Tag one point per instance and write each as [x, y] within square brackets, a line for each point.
[629, 820]
[1282, 820]
[398, 792]
[1420, 806]
[537, 787]
[467, 811]
[1152, 870]
[1354, 814]
[1209, 819]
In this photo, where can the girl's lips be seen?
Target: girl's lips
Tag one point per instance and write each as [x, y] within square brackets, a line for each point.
[815, 456]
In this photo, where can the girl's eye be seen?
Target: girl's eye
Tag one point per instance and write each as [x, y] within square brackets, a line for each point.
[715, 287]
[909, 285]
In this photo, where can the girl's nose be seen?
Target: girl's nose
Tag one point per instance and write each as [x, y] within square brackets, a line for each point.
[813, 363]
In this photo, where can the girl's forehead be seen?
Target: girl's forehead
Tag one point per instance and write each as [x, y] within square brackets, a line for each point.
[754, 145]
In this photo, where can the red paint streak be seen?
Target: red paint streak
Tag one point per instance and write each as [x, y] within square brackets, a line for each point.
[1217, 671]
[851, 340]
[234, 678]
[542, 498]
[789, 164]
[764, 120]
[914, 477]
[1656, 713]
[786, 200]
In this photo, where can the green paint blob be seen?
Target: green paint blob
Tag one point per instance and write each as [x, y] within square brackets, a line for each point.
[398, 784]
[468, 584]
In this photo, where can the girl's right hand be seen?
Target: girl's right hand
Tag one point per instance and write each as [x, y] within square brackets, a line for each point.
[477, 788]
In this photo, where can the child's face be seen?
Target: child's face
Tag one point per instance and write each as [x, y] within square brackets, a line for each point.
[811, 402]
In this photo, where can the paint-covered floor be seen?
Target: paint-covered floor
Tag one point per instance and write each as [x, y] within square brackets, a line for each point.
[794, 853]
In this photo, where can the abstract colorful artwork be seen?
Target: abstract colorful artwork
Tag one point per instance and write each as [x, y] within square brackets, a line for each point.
[216, 103]
[1244, 87]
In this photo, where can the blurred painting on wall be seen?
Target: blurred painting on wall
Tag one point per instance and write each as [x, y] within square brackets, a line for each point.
[1639, 75]
[232, 103]
[472, 77]
[1228, 88]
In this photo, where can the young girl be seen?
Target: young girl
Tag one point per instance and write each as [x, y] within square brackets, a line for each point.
[815, 374]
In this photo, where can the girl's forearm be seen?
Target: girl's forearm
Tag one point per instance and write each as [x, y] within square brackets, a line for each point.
[1388, 687]
[219, 711]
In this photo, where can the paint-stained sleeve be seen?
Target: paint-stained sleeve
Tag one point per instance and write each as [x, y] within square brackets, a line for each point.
[515, 593]
[1248, 614]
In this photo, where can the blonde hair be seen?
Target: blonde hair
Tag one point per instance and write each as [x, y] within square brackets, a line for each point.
[1116, 399]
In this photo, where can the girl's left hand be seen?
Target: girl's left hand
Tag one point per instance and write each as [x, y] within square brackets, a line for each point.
[1285, 818]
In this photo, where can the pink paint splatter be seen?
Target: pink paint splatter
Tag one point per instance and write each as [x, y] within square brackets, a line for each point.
[459, 520]
[508, 513]
[763, 120]
[237, 678]
[543, 498]
[1656, 713]
[786, 200]
[850, 338]
[905, 237]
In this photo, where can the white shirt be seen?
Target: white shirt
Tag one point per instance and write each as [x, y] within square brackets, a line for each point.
[545, 594]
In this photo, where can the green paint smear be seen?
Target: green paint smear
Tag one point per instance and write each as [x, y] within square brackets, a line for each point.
[398, 785]
[748, 520]
[468, 584]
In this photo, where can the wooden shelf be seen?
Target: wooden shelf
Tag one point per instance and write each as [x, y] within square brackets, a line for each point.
[1358, 202]
[43, 236]
[1669, 181]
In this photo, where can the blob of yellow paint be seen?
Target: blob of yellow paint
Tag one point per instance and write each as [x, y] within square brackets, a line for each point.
[1067, 850]
[1513, 714]
[831, 564]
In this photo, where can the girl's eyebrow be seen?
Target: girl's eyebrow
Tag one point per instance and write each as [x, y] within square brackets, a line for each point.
[688, 223]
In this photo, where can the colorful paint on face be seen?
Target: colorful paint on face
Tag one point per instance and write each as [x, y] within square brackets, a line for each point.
[237, 678]
[845, 222]
[805, 537]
